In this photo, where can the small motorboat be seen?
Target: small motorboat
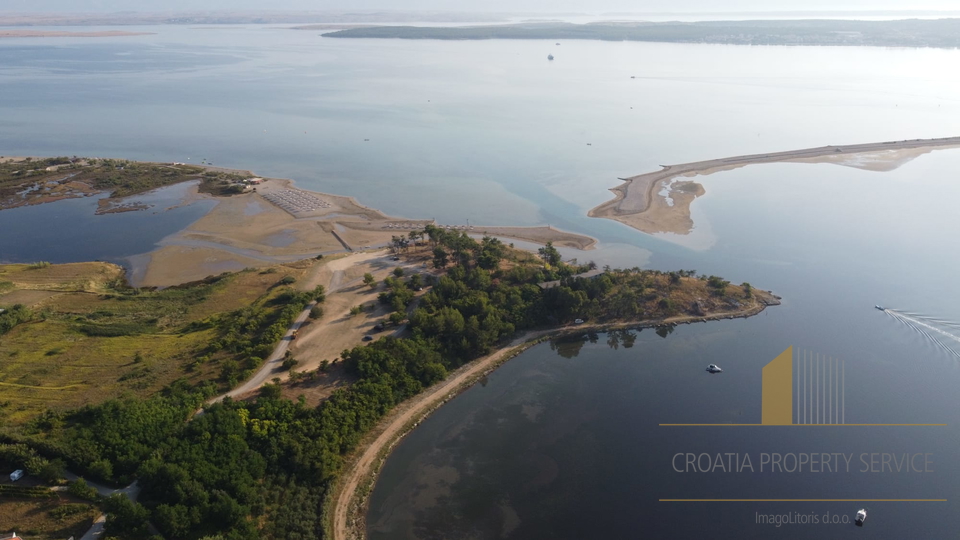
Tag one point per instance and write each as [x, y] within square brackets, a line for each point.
[861, 517]
[881, 308]
[713, 368]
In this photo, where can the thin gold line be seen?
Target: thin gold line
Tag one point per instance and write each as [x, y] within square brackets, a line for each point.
[797, 425]
[802, 500]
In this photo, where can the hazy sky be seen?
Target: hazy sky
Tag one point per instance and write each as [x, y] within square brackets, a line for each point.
[584, 6]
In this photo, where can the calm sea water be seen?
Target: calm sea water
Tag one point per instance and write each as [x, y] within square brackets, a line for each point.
[70, 231]
[568, 446]
[564, 442]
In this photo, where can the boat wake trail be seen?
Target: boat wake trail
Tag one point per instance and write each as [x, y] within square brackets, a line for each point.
[925, 329]
[940, 322]
[934, 320]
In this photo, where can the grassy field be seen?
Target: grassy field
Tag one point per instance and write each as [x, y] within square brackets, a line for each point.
[85, 337]
[46, 519]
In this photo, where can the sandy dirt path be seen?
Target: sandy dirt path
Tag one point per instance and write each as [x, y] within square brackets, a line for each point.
[327, 337]
[332, 273]
[337, 330]
[96, 530]
[273, 365]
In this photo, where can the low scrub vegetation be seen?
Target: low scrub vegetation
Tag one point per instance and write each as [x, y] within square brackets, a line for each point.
[93, 337]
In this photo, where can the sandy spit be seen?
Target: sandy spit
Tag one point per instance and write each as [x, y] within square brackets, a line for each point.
[637, 202]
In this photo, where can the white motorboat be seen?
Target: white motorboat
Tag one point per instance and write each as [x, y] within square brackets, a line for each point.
[713, 368]
[861, 517]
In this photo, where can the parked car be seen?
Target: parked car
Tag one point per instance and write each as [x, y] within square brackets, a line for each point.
[578, 321]
[368, 338]
[16, 475]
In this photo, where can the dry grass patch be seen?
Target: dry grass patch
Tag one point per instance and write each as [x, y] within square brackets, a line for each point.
[82, 347]
[87, 276]
[47, 519]
[27, 297]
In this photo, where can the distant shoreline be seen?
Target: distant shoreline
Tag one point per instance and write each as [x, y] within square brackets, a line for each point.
[938, 33]
[638, 205]
[227, 17]
[59, 33]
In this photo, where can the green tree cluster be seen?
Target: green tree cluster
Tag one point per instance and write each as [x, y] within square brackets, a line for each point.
[261, 469]
[15, 315]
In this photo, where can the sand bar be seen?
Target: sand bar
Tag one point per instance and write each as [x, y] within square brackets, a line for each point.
[280, 223]
[638, 201]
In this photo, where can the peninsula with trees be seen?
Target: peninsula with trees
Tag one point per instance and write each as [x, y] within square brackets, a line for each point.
[254, 403]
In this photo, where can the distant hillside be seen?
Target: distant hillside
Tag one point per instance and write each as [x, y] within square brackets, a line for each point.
[941, 33]
[241, 17]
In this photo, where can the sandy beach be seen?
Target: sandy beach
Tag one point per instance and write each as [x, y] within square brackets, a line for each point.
[540, 235]
[642, 201]
[280, 223]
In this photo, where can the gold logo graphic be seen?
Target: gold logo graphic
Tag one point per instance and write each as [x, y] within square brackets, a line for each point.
[778, 390]
[803, 388]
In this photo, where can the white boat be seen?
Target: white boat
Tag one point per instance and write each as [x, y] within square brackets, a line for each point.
[881, 308]
[713, 368]
[861, 517]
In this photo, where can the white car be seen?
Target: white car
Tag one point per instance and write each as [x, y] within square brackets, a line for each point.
[578, 321]
[713, 368]
[16, 475]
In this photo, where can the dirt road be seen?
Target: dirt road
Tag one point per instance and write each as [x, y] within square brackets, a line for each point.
[96, 530]
[333, 273]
